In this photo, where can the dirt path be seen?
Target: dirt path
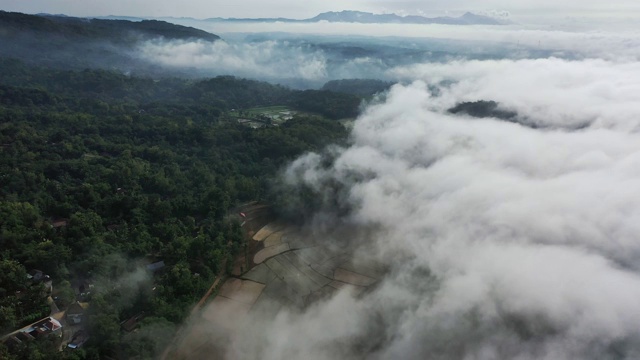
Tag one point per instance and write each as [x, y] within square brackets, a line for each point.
[256, 216]
[217, 280]
[222, 274]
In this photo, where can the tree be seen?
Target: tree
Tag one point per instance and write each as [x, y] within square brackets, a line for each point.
[65, 293]
[141, 169]
[21, 301]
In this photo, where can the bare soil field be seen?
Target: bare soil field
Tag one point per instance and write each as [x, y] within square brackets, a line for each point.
[288, 269]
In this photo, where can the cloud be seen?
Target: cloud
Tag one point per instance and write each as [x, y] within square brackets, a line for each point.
[499, 14]
[309, 61]
[294, 53]
[503, 241]
[268, 59]
[116, 272]
[296, 63]
[552, 92]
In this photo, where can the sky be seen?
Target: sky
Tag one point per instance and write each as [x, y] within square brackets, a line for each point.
[299, 9]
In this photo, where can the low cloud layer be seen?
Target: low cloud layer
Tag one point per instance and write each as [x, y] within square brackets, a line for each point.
[266, 60]
[298, 63]
[552, 92]
[300, 60]
[504, 242]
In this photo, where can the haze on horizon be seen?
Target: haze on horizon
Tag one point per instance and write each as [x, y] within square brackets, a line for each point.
[528, 9]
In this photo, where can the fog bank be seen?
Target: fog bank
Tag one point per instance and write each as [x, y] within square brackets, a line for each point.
[503, 241]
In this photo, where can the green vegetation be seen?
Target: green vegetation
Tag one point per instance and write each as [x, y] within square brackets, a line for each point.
[121, 30]
[97, 90]
[139, 171]
[482, 109]
[21, 301]
[269, 115]
[327, 103]
[359, 87]
[269, 111]
[73, 43]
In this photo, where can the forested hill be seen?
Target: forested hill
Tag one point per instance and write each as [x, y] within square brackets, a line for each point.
[91, 87]
[13, 24]
[102, 174]
[76, 43]
[360, 87]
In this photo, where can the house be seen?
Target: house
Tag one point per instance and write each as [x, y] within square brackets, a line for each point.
[12, 342]
[37, 276]
[82, 288]
[113, 227]
[23, 336]
[132, 323]
[44, 327]
[156, 266]
[59, 222]
[75, 312]
[79, 338]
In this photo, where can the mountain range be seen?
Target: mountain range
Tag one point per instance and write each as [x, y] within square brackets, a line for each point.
[349, 16]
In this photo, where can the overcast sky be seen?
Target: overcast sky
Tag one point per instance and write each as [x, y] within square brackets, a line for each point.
[309, 8]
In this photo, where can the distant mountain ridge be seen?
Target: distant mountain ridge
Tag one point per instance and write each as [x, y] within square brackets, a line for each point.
[14, 24]
[350, 16]
[65, 42]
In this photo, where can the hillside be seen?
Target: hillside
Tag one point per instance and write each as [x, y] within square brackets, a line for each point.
[13, 24]
[104, 174]
[359, 87]
[76, 43]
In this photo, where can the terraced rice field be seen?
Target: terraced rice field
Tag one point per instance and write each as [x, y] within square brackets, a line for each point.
[291, 270]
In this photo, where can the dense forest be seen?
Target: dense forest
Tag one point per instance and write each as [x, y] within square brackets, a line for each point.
[95, 88]
[113, 30]
[64, 42]
[359, 87]
[483, 108]
[103, 173]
